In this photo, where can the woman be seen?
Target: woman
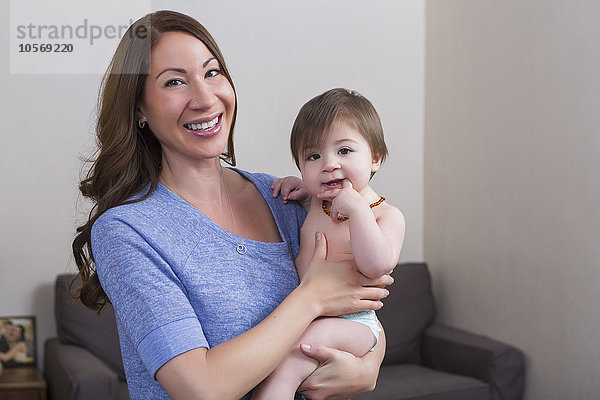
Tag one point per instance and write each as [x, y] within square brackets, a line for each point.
[197, 259]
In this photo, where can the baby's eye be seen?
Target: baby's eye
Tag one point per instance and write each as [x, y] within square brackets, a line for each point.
[344, 150]
[313, 157]
[173, 82]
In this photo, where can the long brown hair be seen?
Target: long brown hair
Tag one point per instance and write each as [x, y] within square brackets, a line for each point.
[129, 157]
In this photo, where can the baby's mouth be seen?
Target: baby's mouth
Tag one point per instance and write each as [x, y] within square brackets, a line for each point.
[334, 184]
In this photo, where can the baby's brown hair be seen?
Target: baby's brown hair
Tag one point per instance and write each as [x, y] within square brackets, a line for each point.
[315, 119]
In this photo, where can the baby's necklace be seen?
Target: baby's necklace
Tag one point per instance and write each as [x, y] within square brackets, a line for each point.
[325, 207]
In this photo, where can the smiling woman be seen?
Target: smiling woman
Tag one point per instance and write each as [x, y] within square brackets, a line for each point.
[198, 259]
[187, 101]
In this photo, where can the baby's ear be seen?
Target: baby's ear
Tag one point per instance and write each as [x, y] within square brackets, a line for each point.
[376, 163]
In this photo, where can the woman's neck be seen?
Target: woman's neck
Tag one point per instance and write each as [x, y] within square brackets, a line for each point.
[201, 183]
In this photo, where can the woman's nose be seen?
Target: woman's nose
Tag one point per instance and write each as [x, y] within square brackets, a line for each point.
[203, 97]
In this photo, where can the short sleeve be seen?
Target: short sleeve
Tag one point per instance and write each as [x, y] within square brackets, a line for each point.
[151, 304]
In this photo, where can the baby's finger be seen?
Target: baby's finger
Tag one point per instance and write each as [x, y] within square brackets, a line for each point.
[294, 194]
[328, 194]
[286, 188]
[276, 186]
[346, 184]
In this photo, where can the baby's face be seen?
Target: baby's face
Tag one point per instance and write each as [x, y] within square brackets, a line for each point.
[344, 155]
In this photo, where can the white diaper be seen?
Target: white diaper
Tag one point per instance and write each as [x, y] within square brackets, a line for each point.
[367, 318]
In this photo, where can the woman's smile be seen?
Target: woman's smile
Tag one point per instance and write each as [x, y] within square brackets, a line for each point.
[188, 102]
[205, 129]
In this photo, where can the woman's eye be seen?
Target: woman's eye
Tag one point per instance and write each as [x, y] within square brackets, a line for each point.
[345, 150]
[174, 82]
[313, 157]
[213, 72]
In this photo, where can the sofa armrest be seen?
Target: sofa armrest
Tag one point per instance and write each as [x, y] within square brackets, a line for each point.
[460, 352]
[73, 373]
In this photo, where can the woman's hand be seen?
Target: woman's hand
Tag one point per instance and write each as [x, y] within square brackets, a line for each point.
[338, 287]
[341, 375]
[338, 377]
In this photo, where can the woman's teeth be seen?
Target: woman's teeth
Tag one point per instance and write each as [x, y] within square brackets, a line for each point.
[203, 126]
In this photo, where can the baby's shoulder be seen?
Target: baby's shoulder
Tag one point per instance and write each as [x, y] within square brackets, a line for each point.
[389, 213]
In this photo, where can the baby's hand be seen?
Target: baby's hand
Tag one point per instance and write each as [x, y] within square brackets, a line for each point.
[291, 188]
[343, 201]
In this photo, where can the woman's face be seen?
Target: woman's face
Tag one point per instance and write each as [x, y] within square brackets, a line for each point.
[14, 333]
[188, 103]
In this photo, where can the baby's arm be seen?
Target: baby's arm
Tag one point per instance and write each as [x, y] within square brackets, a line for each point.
[376, 242]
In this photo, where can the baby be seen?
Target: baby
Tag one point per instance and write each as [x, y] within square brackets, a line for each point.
[337, 143]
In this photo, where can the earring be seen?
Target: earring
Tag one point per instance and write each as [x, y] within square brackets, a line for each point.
[141, 124]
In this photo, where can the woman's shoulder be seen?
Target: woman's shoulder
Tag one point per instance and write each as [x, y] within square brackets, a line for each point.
[285, 213]
[137, 211]
[259, 179]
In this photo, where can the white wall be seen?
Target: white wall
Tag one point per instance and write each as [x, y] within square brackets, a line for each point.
[512, 159]
[280, 53]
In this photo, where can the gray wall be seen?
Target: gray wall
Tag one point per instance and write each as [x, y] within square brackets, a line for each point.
[280, 53]
[512, 159]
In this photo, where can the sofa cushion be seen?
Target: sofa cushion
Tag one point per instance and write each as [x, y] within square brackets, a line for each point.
[406, 312]
[73, 373]
[414, 382]
[76, 324]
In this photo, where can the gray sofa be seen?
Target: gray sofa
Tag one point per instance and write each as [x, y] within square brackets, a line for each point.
[84, 361]
[424, 361]
[427, 361]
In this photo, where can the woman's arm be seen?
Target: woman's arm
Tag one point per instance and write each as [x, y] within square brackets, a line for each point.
[341, 375]
[233, 368]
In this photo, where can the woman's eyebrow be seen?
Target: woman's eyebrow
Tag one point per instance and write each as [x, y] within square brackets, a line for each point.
[180, 70]
[207, 61]
[183, 71]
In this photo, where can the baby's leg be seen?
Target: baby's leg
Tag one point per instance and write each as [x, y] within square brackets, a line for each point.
[337, 333]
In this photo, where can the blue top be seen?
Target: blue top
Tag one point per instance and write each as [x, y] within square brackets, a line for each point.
[177, 282]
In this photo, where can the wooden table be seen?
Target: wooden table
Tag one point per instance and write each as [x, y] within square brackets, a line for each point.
[22, 383]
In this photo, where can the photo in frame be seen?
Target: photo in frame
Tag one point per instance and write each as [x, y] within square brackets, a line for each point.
[17, 341]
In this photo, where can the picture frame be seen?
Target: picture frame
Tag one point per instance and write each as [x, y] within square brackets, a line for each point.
[17, 341]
